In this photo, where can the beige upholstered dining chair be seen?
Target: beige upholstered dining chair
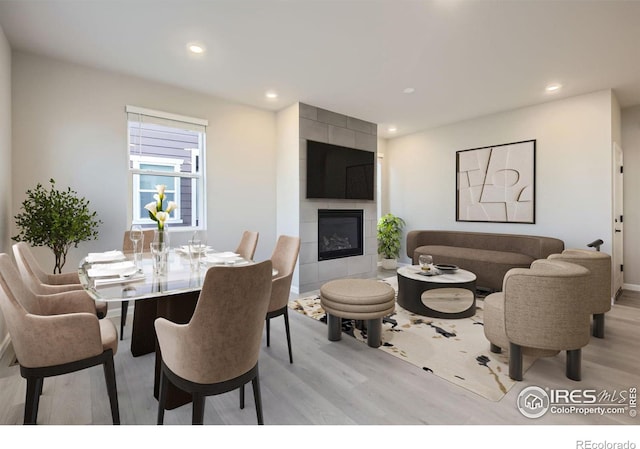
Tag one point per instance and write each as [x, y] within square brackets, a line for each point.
[284, 258]
[217, 351]
[43, 283]
[127, 247]
[599, 291]
[55, 334]
[540, 312]
[248, 243]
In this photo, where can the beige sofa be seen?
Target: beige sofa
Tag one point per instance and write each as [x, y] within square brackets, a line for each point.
[487, 255]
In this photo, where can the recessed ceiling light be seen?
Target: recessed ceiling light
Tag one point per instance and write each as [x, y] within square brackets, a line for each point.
[196, 48]
[271, 95]
[392, 129]
[409, 90]
[553, 87]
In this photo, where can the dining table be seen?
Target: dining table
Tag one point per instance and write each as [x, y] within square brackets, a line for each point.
[114, 277]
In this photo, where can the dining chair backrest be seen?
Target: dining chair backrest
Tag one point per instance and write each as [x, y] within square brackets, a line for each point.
[16, 283]
[12, 289]
[147, 238]
[284, 258]
[248, 244]
[222, 339]
[28, 266]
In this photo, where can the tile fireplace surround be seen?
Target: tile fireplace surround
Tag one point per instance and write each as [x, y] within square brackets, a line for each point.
[329, 127]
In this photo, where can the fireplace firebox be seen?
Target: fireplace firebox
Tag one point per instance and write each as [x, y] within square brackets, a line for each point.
[340, 233]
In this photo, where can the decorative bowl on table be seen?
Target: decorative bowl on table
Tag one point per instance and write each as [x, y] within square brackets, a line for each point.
[446, 268]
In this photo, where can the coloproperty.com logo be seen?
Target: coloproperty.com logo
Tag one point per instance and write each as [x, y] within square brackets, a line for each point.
[534, 402]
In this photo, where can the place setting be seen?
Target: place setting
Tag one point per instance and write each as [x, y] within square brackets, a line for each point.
[114, 272]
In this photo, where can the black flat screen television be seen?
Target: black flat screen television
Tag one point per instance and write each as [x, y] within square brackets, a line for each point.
[339, 172]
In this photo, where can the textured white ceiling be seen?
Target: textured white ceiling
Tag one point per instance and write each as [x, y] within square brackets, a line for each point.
[465, 58]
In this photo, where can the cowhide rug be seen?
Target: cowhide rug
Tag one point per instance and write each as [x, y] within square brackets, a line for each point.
[455, 350]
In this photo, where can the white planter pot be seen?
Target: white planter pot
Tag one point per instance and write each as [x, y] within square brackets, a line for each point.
[389, 264]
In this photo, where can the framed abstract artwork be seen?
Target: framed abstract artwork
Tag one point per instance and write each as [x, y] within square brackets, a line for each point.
[497, 183]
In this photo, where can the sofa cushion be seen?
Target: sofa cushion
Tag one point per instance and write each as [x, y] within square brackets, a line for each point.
[489, 266]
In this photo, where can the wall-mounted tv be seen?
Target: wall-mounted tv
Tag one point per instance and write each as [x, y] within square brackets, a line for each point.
[334, 171]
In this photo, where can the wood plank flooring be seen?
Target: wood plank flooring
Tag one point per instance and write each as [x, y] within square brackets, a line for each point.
[335, 383]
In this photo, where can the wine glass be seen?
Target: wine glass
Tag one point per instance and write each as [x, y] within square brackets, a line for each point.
[202, 238]
[136, 236]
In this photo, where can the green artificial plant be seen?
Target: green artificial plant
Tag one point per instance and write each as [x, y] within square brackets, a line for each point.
[57, 219]
[390, 235]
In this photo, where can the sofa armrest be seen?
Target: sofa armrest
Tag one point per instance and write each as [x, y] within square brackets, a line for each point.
[414, 240]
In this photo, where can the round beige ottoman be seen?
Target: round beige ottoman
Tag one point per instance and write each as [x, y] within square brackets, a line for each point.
[357, 299]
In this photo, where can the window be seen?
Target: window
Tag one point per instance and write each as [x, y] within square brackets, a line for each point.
[167, 149]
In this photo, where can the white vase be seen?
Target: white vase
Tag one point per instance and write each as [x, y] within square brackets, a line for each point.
[389, 264]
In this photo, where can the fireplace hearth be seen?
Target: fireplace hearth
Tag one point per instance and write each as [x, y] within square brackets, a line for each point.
[340, 233]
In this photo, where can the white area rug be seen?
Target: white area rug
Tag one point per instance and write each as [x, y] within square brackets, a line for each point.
[455, 350]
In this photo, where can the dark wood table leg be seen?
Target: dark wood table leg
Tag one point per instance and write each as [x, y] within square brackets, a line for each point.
[143, 334]
[179, 309]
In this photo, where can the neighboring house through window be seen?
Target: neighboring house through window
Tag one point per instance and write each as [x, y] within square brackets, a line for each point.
[167, 149]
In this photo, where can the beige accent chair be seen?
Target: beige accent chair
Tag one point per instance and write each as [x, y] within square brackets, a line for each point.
[284, 258]
[55, 334]
[217, 350]
[248, 243]
[540, 312]
[43, 283]
[127, 247]
[599, 291]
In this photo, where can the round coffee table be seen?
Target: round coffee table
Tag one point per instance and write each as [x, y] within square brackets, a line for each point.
[446, 295]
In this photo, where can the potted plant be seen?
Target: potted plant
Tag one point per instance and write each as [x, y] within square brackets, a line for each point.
[389, 240]
[57, 219]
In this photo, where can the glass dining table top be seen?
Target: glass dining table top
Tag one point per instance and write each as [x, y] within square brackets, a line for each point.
[144, 283]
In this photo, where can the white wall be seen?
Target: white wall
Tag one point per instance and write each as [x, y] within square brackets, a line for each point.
[5, 143]
[631, 148]
[288, 178]
[5, 160]
[289, 172]
[69, 123]
[573, 169]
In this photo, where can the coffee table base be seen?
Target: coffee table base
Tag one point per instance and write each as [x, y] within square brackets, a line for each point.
[410, 297]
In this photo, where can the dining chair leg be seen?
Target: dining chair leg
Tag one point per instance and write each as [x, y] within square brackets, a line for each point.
[112, 389]
[162, 396]
[123, 317]
[40, 386]
[255, 382]
[268, 331]
[241, 397]
[288, 331]
[32, 400]
[198, 409]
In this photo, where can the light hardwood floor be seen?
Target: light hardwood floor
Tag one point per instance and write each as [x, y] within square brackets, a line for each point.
[342, 383]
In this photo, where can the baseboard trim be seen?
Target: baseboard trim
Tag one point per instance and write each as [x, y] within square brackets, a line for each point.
[631, 287]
